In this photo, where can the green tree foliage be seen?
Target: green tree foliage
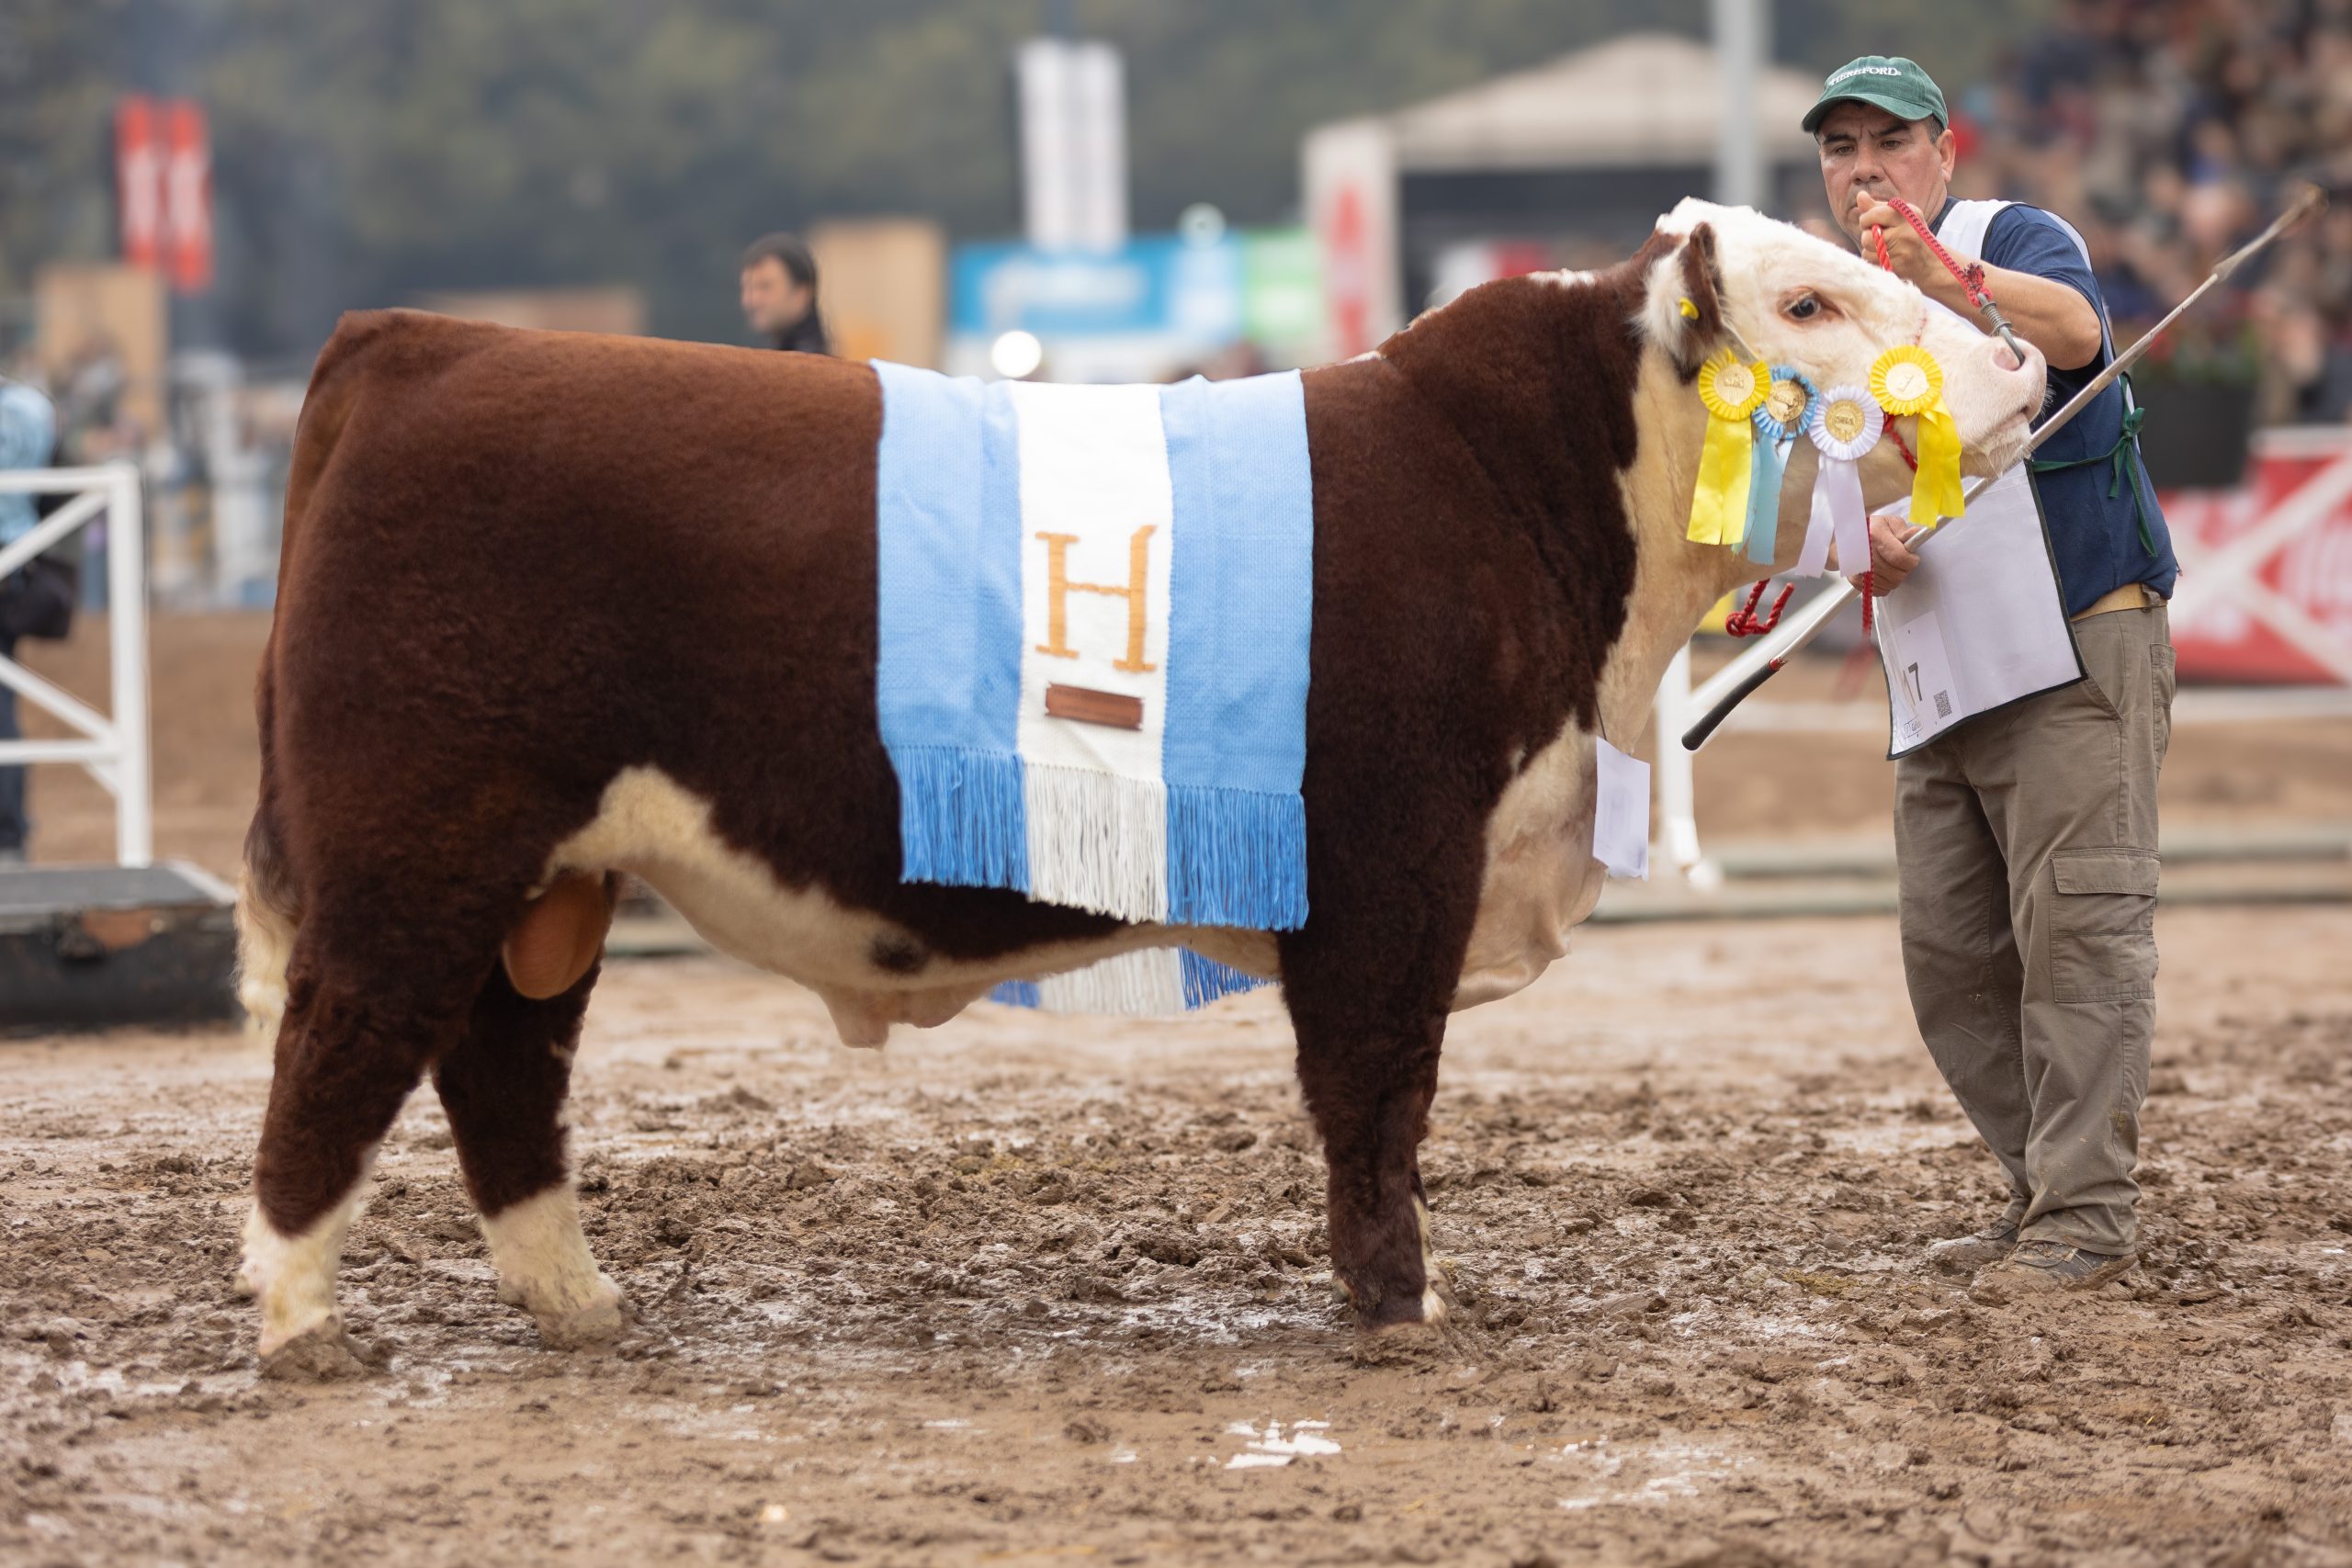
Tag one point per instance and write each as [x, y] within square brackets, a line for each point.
[367, 151]
[56, 106]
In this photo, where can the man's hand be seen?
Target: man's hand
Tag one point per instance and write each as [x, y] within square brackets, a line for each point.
[2045, 312]
[1892, 558]
[1904, 249]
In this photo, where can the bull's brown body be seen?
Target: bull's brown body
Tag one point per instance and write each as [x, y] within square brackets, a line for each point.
[518, 565]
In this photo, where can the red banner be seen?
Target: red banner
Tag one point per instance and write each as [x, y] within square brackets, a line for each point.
[139, 180]
[187, 199]
[163, 163]
[2266, 578]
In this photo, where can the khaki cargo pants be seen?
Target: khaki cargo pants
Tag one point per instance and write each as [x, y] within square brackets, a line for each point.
[2027, 847]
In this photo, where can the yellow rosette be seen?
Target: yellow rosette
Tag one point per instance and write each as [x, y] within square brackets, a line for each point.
[1732, 392]
[1906, 379]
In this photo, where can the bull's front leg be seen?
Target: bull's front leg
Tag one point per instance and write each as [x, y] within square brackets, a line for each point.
[1369, 1090]
[1369, 983]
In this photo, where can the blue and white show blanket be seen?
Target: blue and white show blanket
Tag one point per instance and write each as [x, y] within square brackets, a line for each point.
[1095, 606]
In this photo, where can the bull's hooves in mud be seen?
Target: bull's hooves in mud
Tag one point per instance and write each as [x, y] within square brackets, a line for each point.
[575, 1324]
[324, 1353]
[586, 1328]
[1407, 1343]
[1431, 1332]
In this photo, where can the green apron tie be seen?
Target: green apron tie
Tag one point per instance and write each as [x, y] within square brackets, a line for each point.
[2120, 455]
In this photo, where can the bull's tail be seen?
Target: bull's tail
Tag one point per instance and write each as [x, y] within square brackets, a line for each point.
[266, 917]
[269, 909]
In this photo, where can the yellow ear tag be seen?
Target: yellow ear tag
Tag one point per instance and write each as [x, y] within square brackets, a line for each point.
[1906, 379]
[1689, 311]
[1732, 392]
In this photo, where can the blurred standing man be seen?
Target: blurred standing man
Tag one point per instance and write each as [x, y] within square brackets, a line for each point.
[27, 435]
[780, 294]
[2027, 838]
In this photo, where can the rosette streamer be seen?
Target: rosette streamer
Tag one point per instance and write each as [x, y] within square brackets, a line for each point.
[1907, 381]
[1787, 404]
[1732, 392]
[1844, 425]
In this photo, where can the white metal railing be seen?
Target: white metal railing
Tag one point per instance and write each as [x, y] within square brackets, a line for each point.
[114, 746]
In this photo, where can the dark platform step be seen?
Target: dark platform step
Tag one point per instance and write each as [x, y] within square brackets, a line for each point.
[93, 946]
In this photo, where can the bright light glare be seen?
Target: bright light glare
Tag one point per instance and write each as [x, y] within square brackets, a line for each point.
[1201, 224]
[1016, 354]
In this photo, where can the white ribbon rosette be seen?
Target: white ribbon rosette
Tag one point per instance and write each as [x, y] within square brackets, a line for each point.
[1846, 423]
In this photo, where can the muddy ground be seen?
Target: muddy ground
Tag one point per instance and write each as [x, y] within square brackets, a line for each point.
[1028, 1290]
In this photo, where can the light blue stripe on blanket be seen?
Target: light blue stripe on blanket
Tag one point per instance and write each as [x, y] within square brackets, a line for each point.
[1242, 585]
[947, 686]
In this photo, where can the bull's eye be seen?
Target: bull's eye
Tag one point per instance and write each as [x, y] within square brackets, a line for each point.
[1804, 308]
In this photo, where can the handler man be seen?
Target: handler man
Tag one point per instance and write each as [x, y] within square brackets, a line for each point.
[2027, 838]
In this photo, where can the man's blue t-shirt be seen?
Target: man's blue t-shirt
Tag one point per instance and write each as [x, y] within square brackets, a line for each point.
[2095, 536]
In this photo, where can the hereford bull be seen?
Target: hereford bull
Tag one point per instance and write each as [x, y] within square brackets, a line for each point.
[553, 607]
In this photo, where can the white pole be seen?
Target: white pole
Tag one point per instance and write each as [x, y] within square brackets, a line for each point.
[127, 624]
[1739, 27]
[1678, 826]
[1678, 798]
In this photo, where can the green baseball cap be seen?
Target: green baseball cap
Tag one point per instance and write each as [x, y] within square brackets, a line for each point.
[1886, 81]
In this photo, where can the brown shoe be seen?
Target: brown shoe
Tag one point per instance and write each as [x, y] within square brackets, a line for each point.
[1967, 1254]
[2046, 1269]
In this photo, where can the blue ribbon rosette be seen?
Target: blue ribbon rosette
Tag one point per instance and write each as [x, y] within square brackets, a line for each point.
[1787, 406]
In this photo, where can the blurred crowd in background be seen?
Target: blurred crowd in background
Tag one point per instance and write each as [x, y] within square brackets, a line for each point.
[2171, 131]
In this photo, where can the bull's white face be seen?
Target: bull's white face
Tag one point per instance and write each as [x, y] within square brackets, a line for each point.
[1801, 301]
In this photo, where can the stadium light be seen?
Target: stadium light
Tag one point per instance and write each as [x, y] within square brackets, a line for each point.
[1016, 355]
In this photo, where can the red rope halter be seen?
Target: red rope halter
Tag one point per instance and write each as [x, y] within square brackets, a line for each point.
[1744, 622]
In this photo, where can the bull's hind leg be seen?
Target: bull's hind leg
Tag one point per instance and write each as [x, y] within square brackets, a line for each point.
[355, 1039]
[504, 1085]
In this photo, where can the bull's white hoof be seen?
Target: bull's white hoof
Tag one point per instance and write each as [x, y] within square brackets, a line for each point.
[319, 1352]
[582, 1328]
[545, 1268]
[292, 1279]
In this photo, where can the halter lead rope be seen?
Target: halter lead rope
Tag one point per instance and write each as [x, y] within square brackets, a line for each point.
[1744, 622]
[1970, 278]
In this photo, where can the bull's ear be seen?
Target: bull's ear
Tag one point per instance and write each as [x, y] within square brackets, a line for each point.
[1686, 301]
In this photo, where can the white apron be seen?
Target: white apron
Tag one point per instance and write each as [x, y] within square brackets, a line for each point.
[1980, 623]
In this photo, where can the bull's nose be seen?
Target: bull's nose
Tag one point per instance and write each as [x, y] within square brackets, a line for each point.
[2008, 363]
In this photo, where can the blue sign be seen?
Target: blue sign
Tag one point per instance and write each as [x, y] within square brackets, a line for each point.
[1156, 284]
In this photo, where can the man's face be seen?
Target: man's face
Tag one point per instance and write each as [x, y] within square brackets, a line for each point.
[1869, 155]
[772, 301]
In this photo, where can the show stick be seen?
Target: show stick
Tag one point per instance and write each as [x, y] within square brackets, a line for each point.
[1731, 685]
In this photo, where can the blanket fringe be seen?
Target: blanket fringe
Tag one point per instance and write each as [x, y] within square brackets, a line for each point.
[1097, 842]
[1235, 857]
[1154, 983]
[1144, 983]
[1207, 980]
[960, 818]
